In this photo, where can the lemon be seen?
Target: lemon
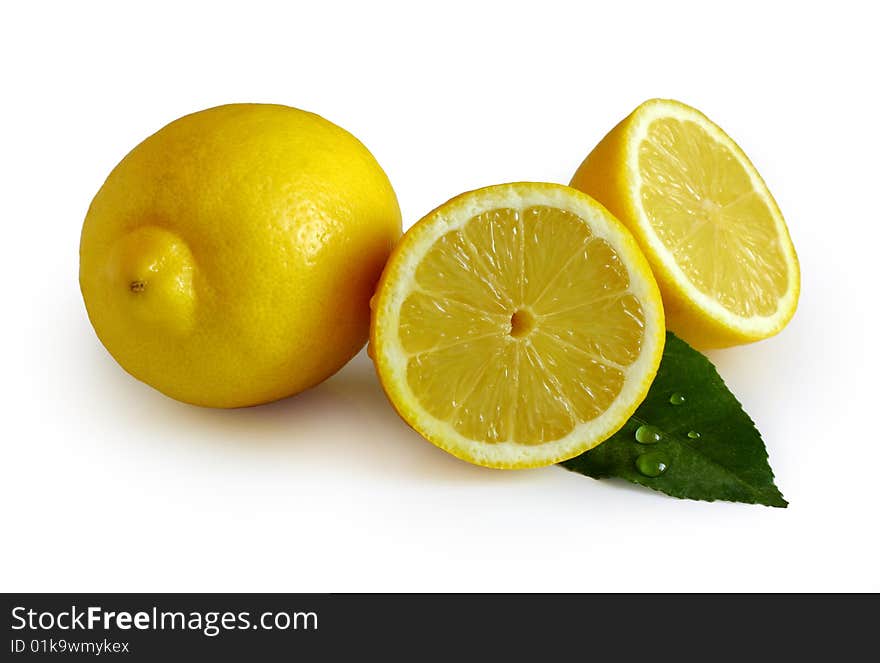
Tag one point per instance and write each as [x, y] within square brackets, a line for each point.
[517, 325]
[228, 260]
[706, 221]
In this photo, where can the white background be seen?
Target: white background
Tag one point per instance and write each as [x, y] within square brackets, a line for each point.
[108, 485]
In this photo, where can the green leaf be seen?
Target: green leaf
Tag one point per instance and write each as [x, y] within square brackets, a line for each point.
[727, 461]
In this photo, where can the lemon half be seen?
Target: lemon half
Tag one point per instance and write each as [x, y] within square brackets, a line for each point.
[517, 325]
[705, 219]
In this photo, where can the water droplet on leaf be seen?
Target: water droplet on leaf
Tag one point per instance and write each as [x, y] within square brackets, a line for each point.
[646, 434]
[651, 464]
[694, 435]
[677, 398]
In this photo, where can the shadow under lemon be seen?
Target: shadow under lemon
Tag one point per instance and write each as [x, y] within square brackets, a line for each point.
[345, 421]
[344, 425]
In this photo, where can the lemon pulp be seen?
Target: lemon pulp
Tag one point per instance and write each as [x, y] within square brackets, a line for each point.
[520, 325]
[704, 208]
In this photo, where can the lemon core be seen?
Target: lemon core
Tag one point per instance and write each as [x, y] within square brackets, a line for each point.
[521, 323]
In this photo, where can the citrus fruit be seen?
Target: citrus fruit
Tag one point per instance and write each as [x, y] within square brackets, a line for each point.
[706, 221]
[228, 260]
[517, 325]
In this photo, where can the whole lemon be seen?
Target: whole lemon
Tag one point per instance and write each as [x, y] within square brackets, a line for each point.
[229, 259]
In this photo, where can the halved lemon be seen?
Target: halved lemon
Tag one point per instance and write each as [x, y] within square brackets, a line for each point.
[517, 325]
[706, 221]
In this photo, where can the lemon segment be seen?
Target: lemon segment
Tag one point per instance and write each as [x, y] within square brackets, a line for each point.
[704, 218]
[517, 325]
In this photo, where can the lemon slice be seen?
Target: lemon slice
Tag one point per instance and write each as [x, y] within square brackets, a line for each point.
[712, 232]
[517, 325]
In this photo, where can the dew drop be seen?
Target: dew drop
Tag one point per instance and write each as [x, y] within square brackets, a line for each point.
[651, 464]
[694, 435]
[677, 398]
[646, 434]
